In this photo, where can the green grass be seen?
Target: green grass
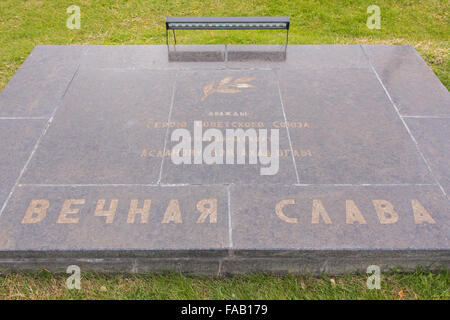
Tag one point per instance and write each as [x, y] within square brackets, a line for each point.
[44, 285]
[422, 24]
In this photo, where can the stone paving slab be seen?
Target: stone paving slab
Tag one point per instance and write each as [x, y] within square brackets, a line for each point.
[354, 135]
[85, 135]
[102, 127]
[227, 107]
[157, 219]
[39, 84]
[232, 173]
[155, 57]
[413, 86]
[252, 93]
[337, 217]
[432, 136]
[310, 57]
[18, 138]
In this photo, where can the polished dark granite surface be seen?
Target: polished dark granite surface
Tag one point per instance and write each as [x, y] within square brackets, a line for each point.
[87, 177]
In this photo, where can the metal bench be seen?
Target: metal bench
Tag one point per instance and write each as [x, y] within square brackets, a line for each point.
[226, 23]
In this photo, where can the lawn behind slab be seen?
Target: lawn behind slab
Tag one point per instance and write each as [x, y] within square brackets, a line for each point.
[422, 24]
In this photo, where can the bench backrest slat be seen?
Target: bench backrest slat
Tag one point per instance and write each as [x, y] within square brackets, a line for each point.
[195, 23]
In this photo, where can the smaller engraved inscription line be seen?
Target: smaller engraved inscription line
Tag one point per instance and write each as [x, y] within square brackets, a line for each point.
[404, 122]
[172, 101]
[287, 129]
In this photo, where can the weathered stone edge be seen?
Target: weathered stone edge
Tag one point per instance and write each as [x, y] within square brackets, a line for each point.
[304, 262]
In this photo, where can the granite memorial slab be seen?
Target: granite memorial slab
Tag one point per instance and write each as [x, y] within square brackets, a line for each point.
[413, 86]
[231, 100]
[339, 217]
[107, 223]
[39, 84]
[224, 159]
[295, 57]
[130, 218]
[18, 138]
[432, 136]
[102, 127]
[337, 228]
[178, 57]
[355, 135]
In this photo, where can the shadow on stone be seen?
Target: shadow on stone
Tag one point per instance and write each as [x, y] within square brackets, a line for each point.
[183, 54]
[272, 55]
[177, 54]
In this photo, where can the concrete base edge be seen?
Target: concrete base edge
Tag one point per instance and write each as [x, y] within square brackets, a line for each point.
[236, 263]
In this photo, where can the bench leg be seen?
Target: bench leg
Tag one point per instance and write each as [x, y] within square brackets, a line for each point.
[167, 37]
[287, 36]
